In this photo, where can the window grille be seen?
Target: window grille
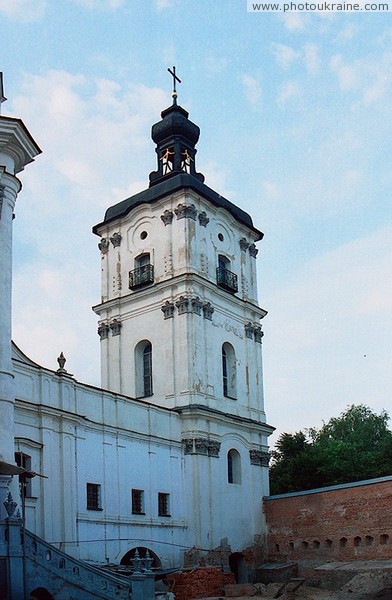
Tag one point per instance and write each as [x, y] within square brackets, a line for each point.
[163, 505]
[94, 496]
[137, 502]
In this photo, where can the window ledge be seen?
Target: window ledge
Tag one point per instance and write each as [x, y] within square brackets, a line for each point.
[93, 508]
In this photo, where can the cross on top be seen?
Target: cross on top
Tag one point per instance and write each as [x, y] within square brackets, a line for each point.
[175, 78]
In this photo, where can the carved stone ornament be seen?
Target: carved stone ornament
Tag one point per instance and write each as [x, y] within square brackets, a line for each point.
[10, 505]
[249, 329]
[183, 305]
[196, 305]
[208, 311]
[167, 217]
[116, 239]
[203, 219]
[203, 446]
[244, 244]
[253, 251]
[259, 458]
[187, 444]
[214, 448]
[258, 334]
[115, 326]
[184, 211]
[103, 331]
[168, 310]
[103, 245]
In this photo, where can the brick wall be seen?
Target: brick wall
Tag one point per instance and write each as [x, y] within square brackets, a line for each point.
[346, 522]
[199, 583]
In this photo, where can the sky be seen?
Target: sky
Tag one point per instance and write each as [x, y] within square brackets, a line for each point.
[295, 116]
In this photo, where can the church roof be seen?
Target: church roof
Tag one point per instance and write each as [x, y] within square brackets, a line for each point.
[169, 186]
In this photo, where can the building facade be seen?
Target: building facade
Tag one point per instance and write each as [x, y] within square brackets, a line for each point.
[171, 454]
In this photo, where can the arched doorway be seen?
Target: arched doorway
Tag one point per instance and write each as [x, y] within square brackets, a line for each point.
[238, 567]
[127, 558]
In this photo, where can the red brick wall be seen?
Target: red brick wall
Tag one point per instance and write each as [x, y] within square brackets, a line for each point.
[349, 522]
[199, 583]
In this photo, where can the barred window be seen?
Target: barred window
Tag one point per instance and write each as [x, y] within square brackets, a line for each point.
[93, 496]
[138, 502]
[163, 504]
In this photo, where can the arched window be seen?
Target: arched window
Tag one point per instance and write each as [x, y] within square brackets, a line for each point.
[143, 369]
[229, 379]
[233, 466]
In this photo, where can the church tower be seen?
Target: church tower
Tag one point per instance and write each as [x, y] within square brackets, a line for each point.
[17, 149]
[179, 319]
[179, 324]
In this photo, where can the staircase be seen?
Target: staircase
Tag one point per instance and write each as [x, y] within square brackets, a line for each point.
[78, 579]
[27, 562]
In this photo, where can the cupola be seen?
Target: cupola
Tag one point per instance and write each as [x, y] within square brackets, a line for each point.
[176, 137]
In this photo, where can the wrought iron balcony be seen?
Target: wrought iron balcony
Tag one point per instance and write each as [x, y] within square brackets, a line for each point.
[141, 276]
[226, 279]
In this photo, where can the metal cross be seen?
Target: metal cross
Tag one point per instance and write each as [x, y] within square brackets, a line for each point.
[175, 78]
[2, 97]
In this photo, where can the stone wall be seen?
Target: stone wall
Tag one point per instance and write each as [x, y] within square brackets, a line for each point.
[199, 583]
[340, 523]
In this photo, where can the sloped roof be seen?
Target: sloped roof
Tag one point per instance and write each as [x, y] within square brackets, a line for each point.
[169, 186]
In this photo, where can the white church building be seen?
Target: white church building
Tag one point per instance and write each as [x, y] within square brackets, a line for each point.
[170, 455]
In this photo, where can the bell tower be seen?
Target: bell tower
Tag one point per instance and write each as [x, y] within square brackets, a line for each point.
[179, 320]
[179, 326]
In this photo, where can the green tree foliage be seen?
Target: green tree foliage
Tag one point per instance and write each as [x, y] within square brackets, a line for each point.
[356, 445]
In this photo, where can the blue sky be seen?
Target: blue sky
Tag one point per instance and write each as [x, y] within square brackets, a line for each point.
[295, 118]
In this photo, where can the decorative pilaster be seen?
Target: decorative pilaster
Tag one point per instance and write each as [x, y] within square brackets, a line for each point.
[201, 446]
[258, 334]
[183, 305]
[196, 305]
[103, 331]
[116, 239]
[253, 251]
[103, 245]
[249, 329]
[203, 219]
[208, 311]
[168, 310]
[115, 327]
[184, 211]
[167, 217]
[244, 244]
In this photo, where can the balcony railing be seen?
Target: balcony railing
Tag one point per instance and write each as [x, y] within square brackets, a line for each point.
[226, 279]
[141, 276]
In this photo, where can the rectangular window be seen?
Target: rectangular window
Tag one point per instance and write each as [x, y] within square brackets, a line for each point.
[138, 502]
[93, 496]
[163, 505]
[24, 461]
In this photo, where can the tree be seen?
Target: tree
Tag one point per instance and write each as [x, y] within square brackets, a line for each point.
[356, 445]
